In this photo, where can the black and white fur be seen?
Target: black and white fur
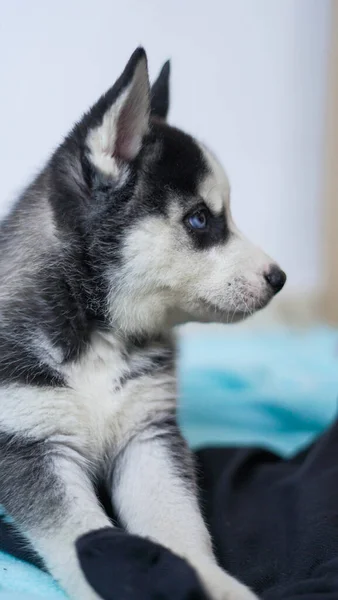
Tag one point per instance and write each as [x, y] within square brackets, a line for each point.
[98, 260]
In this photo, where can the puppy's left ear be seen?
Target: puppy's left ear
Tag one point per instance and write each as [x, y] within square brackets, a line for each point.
[160, 94]
[117, 123]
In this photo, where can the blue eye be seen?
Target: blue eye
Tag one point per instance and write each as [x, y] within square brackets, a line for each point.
[198, 220]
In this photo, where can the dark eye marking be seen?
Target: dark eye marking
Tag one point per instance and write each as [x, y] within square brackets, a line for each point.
[205, 228]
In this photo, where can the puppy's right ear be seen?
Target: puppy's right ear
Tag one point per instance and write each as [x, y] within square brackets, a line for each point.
[160, 94]
[112, 131]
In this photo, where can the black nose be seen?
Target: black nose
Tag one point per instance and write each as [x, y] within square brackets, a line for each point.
[276, 278]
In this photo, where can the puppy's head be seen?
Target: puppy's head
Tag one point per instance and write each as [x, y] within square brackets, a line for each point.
[155, 211]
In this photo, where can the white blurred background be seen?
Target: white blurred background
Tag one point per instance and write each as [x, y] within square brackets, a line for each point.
[248, 78]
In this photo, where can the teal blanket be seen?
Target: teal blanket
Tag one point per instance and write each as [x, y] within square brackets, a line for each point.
[277, 390]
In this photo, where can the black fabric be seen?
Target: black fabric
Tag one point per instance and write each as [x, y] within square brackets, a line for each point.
[274, 523]
[122, 566]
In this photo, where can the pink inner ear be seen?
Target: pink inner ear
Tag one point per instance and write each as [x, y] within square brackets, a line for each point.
[129, 131]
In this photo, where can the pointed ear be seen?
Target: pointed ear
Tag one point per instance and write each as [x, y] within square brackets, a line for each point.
[117, 123]
[160, 93]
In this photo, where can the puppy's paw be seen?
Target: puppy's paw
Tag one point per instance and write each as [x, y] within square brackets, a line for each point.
[221, 586]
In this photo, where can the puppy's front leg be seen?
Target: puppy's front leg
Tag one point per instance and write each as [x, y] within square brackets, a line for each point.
[52, 500]
[154, 493]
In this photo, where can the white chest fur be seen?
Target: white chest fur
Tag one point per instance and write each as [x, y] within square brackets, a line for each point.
[109, 397]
